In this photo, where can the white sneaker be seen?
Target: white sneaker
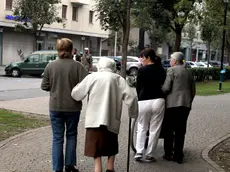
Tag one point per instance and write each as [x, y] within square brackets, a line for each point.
[138, 156]
[149, 159]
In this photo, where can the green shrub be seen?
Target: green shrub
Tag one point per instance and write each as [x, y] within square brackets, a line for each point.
[202, 74]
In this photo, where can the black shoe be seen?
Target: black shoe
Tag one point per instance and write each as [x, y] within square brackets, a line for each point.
[109, 171]
[178, 160]
[168, 158]
[71, 169]
[58, 171]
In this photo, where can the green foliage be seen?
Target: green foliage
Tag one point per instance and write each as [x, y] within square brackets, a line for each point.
[170, 14]
[202, 74]
[34, 14]
[111, 13]
[210, 22]
[142, 19]
[190, 29]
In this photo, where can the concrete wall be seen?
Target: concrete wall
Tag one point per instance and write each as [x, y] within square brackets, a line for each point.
[12, 42]
[80, 27]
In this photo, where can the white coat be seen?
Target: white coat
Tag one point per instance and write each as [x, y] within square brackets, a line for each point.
[106, 92]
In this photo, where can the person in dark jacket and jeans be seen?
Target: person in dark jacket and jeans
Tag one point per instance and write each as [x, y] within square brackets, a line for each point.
[150, 79]
[59, 78]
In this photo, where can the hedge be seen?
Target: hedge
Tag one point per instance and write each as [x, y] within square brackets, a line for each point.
[202, 74]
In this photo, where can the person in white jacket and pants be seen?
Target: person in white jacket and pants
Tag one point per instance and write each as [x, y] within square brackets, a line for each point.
[106, 91]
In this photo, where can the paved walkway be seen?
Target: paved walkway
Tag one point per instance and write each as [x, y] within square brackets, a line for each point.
[208, 121]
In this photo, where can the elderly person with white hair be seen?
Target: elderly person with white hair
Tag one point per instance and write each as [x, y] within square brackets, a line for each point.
[105, 91]
[180, 90]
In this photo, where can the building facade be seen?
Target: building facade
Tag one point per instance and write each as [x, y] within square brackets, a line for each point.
[80, 25]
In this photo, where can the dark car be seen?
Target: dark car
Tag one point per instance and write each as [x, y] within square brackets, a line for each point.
[166, 64]
[117, 60]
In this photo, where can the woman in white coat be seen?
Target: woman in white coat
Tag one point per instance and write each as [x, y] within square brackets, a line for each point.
[106, 91]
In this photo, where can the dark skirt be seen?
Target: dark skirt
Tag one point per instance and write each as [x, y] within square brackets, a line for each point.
[100, 142]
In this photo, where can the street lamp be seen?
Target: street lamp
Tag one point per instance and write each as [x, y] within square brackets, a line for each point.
[223, 43]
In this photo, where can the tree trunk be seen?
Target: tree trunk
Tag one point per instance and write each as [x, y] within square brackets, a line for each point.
[228, 49]
[126, 32]
[191, 41]
[209, 53]
[35, 42]
[178, 32]
[141, 39]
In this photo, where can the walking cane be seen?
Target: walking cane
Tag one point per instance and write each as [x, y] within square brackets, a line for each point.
[129, 140]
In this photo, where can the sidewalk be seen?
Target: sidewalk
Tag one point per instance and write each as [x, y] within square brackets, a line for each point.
[208, 121]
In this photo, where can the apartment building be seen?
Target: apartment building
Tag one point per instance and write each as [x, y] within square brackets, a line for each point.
[81, 26]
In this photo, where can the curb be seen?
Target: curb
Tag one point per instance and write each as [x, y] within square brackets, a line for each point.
[26, 113]
[206, 151]
[4, 142]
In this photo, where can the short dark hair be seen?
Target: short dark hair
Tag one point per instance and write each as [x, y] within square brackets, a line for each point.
[149, 52]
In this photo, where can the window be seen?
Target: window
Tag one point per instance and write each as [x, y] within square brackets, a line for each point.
[131, 60]
[75, 14]
[34, 58]
[91, 16]
[64, 11]
[9, 4]
[47, 57]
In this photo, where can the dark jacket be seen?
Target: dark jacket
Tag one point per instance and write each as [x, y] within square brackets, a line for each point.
[60, 77]
[149, 82]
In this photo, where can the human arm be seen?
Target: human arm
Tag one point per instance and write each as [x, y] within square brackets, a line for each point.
[167, 87]
[45, 85]
[139, 82]
[81, 90]
[193, 88]
[130, 99]
[163, 75]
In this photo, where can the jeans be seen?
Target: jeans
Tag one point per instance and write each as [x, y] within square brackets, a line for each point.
[151, 114]
[61, 121]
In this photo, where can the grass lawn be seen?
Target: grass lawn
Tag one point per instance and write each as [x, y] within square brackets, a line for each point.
[12, 124]
[210, 88]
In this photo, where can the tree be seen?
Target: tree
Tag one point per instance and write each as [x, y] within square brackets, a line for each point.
[209, 32]
[171, 14]
[190, 30]
[142, 19]
[32, 15]
[211, 25]
[115, 15]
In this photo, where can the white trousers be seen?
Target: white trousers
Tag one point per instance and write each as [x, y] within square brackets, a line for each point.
[151, 114]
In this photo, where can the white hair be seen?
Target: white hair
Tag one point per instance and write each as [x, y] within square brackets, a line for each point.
[106, 64]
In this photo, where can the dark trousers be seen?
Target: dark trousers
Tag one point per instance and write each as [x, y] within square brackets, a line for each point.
[175, 130]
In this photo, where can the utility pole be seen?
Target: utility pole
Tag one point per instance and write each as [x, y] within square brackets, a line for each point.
[223, 40]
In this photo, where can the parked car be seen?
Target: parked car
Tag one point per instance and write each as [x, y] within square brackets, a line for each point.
[215, 63]
[203, 64]
[192, 64]
[166, 64]
[133, 64]
[34, 64]
[96, 59]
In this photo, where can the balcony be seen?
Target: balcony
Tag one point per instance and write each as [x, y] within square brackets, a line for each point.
[80, 2]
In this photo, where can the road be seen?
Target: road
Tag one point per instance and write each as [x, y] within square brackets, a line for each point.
[20, 88]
